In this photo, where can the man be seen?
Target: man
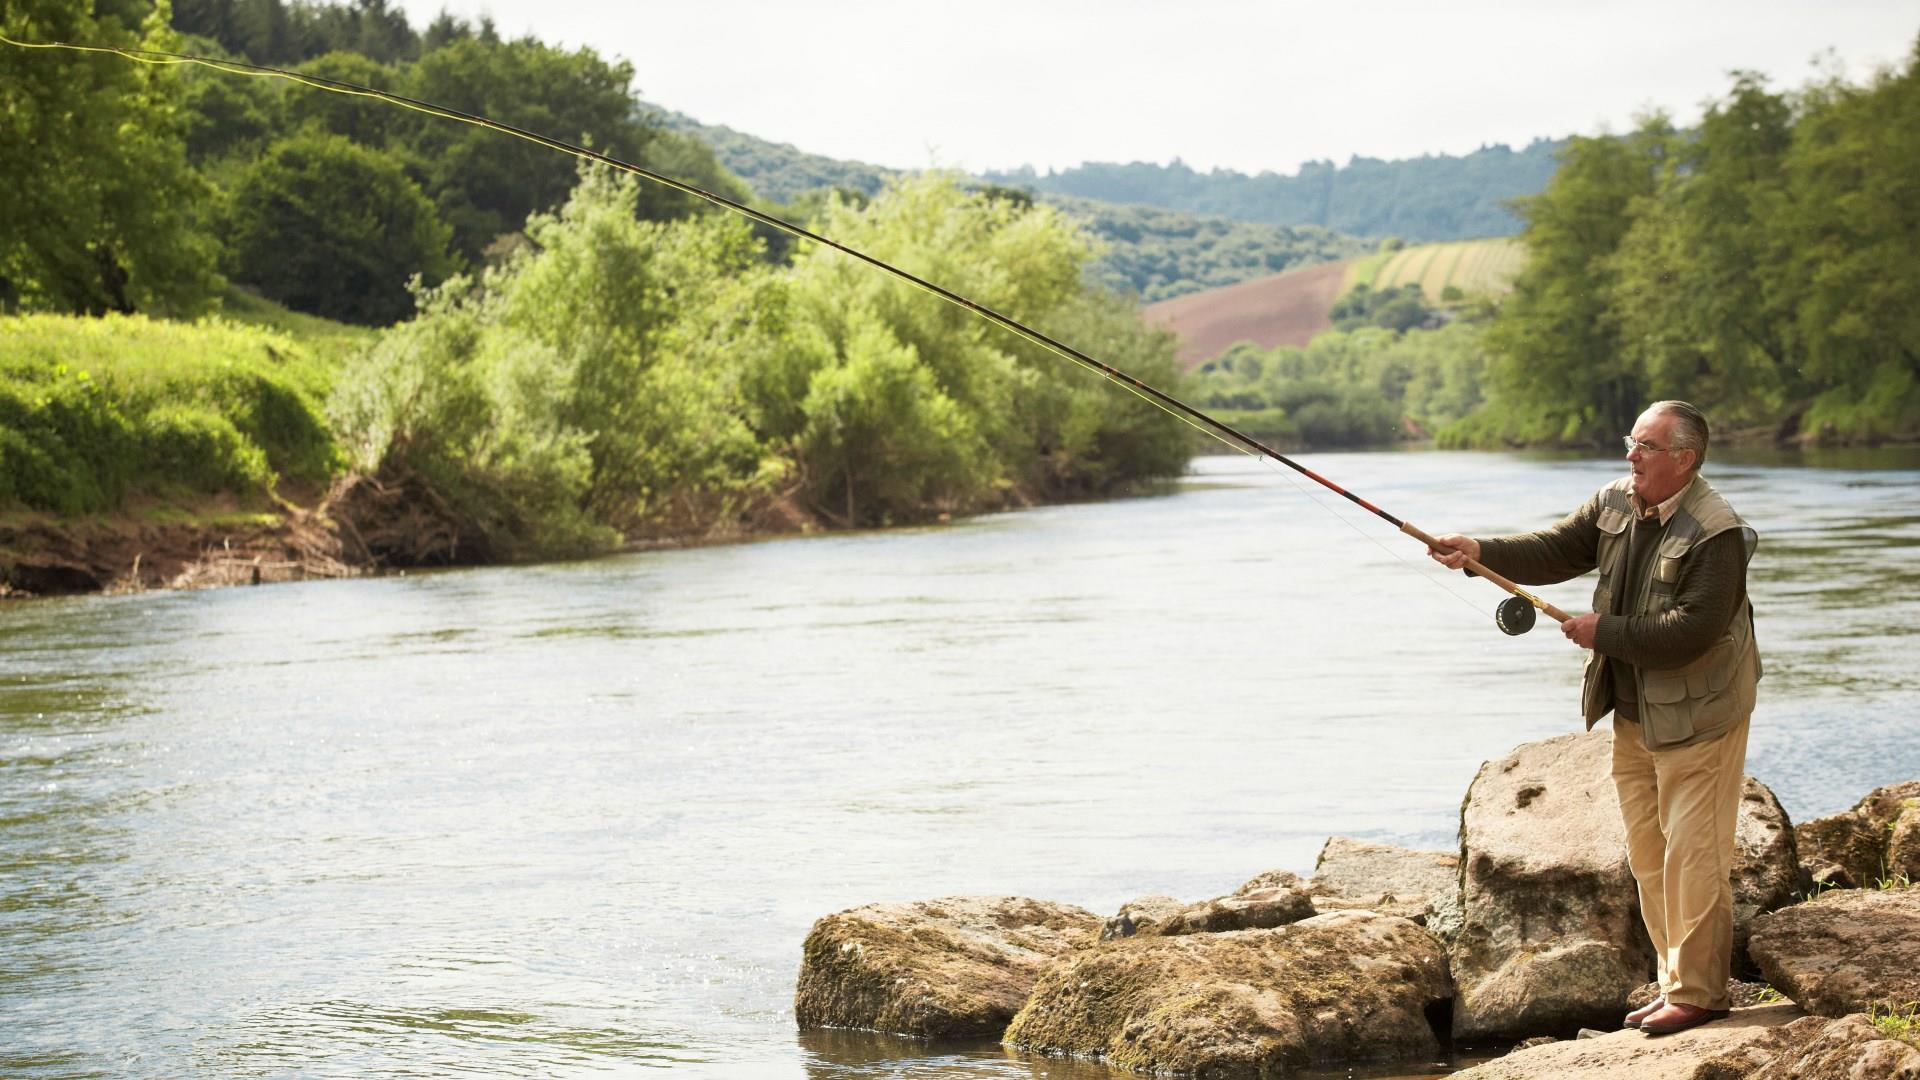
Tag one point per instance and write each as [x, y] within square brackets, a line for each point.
[1673, 658]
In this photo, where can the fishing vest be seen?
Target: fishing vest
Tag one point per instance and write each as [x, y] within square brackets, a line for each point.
[1716, 689]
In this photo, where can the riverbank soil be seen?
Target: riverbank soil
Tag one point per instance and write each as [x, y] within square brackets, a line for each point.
[151, 544]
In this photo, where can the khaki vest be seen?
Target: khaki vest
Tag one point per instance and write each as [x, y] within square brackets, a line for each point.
[1717, 689]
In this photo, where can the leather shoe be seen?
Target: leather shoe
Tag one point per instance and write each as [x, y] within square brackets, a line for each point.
[1633, 1018]
[1678, 1016]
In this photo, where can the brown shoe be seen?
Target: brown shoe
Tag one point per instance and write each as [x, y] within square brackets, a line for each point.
[1633, 1018]
[1678, 1017]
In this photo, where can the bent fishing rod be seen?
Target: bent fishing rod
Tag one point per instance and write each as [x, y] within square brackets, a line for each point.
[1515, 615]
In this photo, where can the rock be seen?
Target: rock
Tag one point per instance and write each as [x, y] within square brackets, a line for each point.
[1272, 899]
[1853, 849]
[1356, 874]
[1547, 1040]
[1816, 1048]
[1744, 994]
[1839, 850]
[1340, 987]
[1146, 915]
[1903, 847]
[1766, 866]
[1844, 951]
[956, 967]
[1551, 936]
[1551, 939]
[1629, 1053]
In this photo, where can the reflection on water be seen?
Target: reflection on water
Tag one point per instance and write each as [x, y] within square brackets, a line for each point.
[577, 818]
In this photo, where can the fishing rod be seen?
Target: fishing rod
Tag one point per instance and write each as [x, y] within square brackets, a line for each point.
[1515, 615]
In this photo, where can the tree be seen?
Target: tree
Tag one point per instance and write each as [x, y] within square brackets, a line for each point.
[100, 205]
[335, 229]
[1560, 374]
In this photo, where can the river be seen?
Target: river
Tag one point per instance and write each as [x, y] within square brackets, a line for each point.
[576, 819]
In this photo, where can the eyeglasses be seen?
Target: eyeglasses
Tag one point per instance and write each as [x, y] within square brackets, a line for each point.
[1633, 444]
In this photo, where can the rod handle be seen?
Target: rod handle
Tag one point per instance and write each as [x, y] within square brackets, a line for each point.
[1481, 570]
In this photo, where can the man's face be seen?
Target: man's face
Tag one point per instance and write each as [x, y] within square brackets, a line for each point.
[1658, 474]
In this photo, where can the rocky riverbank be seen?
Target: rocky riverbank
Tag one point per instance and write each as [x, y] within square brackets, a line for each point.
[1529, 935]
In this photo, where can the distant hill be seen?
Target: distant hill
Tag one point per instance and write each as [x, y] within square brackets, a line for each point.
[1290, 308]
[1437, 197]
[1285, 309]
[1154, 253]
[778, 172]
[1475, 267]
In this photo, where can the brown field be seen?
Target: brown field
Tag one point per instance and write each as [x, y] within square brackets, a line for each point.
[1285, 309]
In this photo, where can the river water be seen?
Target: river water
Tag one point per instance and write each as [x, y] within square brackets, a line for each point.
[576, 819]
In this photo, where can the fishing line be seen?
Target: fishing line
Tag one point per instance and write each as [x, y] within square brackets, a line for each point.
[1515, 615]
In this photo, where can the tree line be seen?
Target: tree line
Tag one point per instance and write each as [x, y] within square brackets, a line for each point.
[1435, 197]
[1762, 264]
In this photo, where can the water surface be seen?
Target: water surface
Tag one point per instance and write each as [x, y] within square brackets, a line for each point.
[576, 819]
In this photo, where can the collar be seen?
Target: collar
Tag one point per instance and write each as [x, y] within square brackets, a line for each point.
[1665, 509]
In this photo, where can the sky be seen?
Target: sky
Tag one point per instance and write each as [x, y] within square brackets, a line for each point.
[1240, 84]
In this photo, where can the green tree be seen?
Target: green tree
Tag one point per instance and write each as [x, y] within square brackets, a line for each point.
[100, 205]
[1560, 373]
[335, 229]
[365, 121]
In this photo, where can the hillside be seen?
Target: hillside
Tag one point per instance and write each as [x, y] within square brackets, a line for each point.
[1437, 197]
[1474, 267]
[1291, 307]
[1154, 253]
[1285, 309]
[779, 172]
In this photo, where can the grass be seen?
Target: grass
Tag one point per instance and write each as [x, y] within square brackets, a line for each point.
[93, 410]
[1898, 1022]
[1475, 267]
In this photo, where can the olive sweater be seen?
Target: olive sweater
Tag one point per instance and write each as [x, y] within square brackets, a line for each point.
[1705, 598]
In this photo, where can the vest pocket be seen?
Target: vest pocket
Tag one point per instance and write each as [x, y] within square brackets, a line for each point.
[1678, 702]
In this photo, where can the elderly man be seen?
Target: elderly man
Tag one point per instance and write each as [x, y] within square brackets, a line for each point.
[1673, 658]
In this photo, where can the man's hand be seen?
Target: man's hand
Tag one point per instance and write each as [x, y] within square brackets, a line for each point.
[1581, 628]
[1453, 550]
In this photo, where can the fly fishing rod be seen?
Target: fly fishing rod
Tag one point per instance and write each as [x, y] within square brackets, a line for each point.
[1515, 615]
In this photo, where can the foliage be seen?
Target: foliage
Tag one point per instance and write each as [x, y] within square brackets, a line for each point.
[1756, 267]
[1364, 387]
[94, 409]
[327, 226]
[1018, 419]
[555, 403]
[1389, 308]
[100, 203]
[1900, 1022]
[276, 32]
[776, 172]
[1161, 254]
[1436, 197]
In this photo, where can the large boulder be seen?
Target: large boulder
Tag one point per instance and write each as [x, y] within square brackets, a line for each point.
[1688, 1055]
[1766, 867]
[1341, 987]
[1816, 1048]
[955, 967]
[1844, 951]
[1879, 838]
[1551, 939]
[1359, 874]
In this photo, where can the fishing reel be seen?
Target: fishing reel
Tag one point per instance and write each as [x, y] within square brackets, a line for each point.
[1514, 616]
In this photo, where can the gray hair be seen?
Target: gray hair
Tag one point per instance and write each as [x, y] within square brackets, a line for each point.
[1689, 428]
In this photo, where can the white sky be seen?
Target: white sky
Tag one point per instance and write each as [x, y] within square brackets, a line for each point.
[1242, 84]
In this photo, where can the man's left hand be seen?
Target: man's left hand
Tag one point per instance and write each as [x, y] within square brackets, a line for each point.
[1581, 628]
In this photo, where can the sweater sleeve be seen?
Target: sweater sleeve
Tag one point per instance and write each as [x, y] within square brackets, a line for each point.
[1566, 549]
[1707, 596]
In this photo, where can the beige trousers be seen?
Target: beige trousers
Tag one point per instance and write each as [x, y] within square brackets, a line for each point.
[1680, 806]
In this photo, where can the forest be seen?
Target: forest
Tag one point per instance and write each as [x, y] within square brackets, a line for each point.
[1436, 197]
